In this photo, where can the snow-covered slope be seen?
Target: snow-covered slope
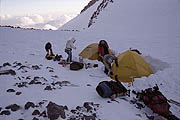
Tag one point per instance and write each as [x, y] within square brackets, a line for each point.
[81, 21]
[150, 26]
[131, 17]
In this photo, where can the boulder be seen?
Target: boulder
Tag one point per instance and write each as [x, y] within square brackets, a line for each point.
[5, 112]
[28, 105]
[36, 112]
[13, 107]
[54, 111]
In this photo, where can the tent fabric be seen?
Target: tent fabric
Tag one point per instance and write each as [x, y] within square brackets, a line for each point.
[91, 52]
[131, 65]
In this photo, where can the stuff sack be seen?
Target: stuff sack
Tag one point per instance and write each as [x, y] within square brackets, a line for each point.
[108, 88]
[104, 90]
[155, 100]
[76, 66]
[49, 57]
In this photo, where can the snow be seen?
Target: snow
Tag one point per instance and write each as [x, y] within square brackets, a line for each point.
[151, 26]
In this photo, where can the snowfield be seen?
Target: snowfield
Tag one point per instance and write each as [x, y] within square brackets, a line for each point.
[153, 31]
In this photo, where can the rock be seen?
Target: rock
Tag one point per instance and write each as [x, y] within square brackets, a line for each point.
[34, 82]
[6, 72]
[91, 117]
[6, 64]
[87, 106]
[36, 112]
[35, 67]
[51, 71]
[54, 111]
[5, 112]
[13, 107]
[21, 84]
[18, 93]
[55, 76]
[88, 84]
[74, 111]
[78, 108]
[139, 105]
[43, 114]
[0, 108]
[20, 119]
[48, 88]
[35, 118]
[10, 90]
[28, 105]
[28, 77]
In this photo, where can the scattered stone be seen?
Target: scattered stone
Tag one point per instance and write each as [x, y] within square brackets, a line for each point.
[87, 106]
[10, 90]
[51, 71]
[54, 111]
[21, 84]
[48, 88]
[6, 64]
[18, 93]
[34, 82]
[35, 118]
[78, 108]
[28, 77]
[88, 84]
[49, 68]
[17, 64]
[139, 105]
[91, 117]
[36, 112]
[139, 115]
[28, 105]
[43, 114]
[13, 107]
[5, 112]
[65, 83]
[6, 72]
[35, 67]
[55, 76]
[73, 111]
[40, 103]
[22, 67]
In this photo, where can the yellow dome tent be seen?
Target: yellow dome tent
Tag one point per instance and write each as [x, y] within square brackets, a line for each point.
[91, 52]
[131, 65]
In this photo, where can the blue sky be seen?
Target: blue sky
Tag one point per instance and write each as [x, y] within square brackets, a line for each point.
[26, 13]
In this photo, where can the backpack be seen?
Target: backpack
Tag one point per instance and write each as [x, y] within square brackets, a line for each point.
[107, 88]
[155, 100]
[76, 66]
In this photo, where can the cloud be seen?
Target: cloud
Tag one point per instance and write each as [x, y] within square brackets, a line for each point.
[5, 17]
[48, 26]
[24, 21]
[37, 18]
[37, 21]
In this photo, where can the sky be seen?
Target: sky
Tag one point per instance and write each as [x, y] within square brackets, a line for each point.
[42, 14]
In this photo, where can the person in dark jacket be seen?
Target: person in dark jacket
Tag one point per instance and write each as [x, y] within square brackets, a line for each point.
[48, 48]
